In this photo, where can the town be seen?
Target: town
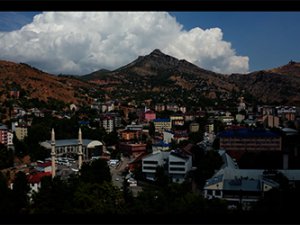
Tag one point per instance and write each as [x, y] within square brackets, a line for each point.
[148, 158]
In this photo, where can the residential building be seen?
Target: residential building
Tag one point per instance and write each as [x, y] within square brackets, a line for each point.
[10, 137]
[176, 164]
[168, 136]
[179, 165]
[149, 115]
[160, 146]
[162, 124]
[250, 140]
[172, 107]
[107, 122]
[189, 117]
[152, 161]
[21, 132]
[209, 128]
[181, 135]
[244, 186]
[132, 149]
[177, 120]
[3, 134]
[194, 127]
[160, 107]
[129, 135]
[271, 121]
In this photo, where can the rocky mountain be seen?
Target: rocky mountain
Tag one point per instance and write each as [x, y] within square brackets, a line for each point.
[36, 84]
[158, 72]
[158, 77]
[163, 73]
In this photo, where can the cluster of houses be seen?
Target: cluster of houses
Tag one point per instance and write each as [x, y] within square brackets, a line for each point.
[248, 130]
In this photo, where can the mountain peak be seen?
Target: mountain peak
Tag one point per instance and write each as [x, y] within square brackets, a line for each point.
[156, 52]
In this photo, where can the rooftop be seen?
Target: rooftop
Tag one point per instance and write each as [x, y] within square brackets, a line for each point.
[248, 133]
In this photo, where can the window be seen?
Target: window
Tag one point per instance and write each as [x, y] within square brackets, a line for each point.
[177, 163]
[151, 162]
[177, 169]
[209, 192]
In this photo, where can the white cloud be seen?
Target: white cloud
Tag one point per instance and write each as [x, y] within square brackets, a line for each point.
[82, 42]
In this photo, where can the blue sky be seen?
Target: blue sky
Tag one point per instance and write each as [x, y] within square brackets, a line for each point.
[268, 39]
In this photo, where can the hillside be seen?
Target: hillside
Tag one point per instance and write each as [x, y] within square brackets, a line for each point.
[279, 85]
[36, 84]
[159, 77]
[158, 72]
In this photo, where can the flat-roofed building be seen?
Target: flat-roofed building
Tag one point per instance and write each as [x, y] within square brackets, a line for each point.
[176, 163]
[3, 134]
[162, 124]
[250, 140]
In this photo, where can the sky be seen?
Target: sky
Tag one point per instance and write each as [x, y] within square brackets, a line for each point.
[79, 43]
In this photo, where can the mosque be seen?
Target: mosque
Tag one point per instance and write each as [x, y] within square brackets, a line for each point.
[84, 149]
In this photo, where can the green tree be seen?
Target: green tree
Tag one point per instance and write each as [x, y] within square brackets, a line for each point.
[20, 192]
[111, 138]
[6, 203]
[6, 157]
[151, 129]
[21, 148]
[54, 197]
[95, 198]
[96, 172]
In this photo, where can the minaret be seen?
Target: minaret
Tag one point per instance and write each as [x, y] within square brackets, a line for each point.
[53, 154]
[79, 149]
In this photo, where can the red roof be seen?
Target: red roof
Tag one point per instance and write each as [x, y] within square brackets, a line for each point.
[46, 164]
[36, 178]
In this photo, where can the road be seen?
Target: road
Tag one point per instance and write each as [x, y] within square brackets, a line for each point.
[117, 177]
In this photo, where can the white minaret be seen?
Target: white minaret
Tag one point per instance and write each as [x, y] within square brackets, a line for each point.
[53, 154]
[79, 149]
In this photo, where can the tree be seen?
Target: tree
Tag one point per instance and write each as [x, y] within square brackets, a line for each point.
[95, 198]
[21, 148]
[6, 157]
[151, 129]
[96, 172]
[111, 138]
[20, 192]
[6, 203]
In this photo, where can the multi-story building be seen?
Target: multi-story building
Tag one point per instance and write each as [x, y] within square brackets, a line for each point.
[3, 134]
[21, 132]
[133, 149]
[168, 136]
[110, 121]
[160, 146]
[176, 163]
[129, 135]
[107, 122]
[172, 107]
[194, 127]
[179, 165]
[271, 120]
[160, 107]
[149, 115]
[244, 186]
[242, 140]
[177, 120]
[162, 124]
[10, 137]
